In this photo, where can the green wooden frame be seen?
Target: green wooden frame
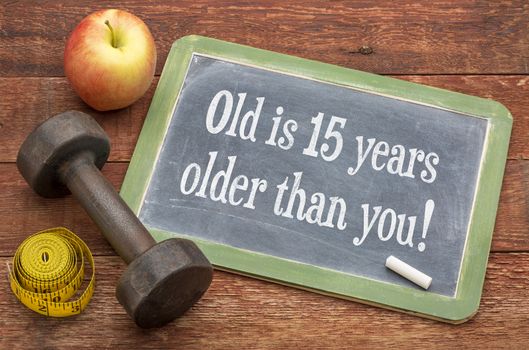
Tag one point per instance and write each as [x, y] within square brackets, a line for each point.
[450, 309]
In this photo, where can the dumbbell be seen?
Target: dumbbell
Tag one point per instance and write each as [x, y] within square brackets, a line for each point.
[162, 281]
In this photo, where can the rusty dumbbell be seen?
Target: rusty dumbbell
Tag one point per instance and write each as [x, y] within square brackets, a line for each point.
[162, 281]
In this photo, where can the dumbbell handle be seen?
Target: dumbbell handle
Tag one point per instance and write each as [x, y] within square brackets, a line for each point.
[120, 226]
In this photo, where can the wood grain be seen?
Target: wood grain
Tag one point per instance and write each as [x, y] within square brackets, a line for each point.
[407, 37]
[27, 102]
[29, 213]
[469, 46]
[240, 312]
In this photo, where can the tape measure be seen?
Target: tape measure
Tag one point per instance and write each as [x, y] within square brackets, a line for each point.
[48, 269]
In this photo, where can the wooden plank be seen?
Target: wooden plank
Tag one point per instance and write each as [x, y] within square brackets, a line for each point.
[467, 37]
[407, 38]
[250, 313]
[512, 218]
[27, 102]
[24, 212]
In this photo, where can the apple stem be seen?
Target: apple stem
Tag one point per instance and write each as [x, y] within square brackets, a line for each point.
[111, 32]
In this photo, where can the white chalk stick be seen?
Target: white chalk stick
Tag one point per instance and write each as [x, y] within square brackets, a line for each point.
[408, 272]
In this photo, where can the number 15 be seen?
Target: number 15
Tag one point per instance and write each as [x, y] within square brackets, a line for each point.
[329, 134]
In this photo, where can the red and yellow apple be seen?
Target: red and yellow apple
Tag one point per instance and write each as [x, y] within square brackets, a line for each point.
[110, 59]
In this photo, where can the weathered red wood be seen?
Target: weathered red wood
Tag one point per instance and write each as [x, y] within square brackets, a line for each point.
[26, 102]
[25, 212]
[484, 42]
[406, 37]
[241, 312]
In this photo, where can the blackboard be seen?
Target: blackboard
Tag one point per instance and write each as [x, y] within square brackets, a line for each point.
[454, 140]
[314, 173]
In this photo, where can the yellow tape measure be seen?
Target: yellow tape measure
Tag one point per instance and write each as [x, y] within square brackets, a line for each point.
[48, 269]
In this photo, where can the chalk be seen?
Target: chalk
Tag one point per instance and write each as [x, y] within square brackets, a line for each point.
[408, 272]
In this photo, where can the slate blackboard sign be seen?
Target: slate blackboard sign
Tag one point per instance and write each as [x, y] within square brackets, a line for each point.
[312, 175]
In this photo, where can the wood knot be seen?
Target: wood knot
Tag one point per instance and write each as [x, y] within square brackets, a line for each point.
[365, 50]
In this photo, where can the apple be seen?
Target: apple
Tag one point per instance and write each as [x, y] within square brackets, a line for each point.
[110, 59]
